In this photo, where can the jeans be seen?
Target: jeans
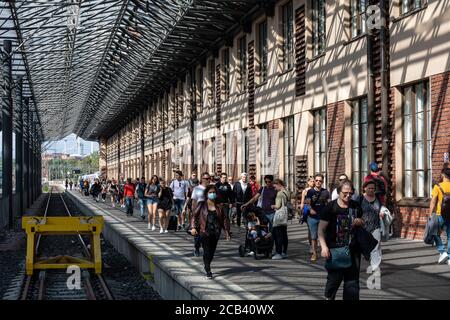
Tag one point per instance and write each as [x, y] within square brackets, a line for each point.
[269, 217]
[281, 239]
[178, 205]
[209, 244]
[437, 239]
[129, 205]
[313, 225]
[350, 277]
[142, 206]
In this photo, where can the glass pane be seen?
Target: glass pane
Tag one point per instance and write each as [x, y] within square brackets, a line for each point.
[364, 135]
[420, 184]
[355, 112]
[324, 162]
[407, 129]
[355, 136]
[356, 180]
[407, 101]
[420, 126]
[419, 156]
[356, 159]
[419, 97]
[364, 163]
[323, 142]
[316, 162]
[363, 110]
[408, 186]
[408, 156]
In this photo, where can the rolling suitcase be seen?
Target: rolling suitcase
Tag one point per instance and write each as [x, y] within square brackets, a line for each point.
[173, 223]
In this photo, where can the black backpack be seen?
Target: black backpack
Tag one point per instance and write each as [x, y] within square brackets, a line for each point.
[445, 205]
[380, 189]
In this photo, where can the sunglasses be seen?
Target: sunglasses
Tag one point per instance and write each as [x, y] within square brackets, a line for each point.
[267, 181]
[206, 178]
[319, 181]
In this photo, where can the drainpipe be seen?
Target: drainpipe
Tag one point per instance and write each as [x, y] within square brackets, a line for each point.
[384, 91]
[370, 98]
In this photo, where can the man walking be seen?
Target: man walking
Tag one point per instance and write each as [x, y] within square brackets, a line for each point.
[140, 194]
[180, 189]
[440, 202]
[242, 194]
[225, 196]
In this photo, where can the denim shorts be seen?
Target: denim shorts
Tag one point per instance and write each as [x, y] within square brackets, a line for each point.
[178, 205]
[313, 225]
[152, 201]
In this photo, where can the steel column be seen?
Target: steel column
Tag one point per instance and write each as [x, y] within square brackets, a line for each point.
[19, 148]
[32, 166]
[142, 145]
[7, 127]
[26, 153]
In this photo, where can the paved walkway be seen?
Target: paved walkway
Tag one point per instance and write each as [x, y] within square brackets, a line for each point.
[409, 269]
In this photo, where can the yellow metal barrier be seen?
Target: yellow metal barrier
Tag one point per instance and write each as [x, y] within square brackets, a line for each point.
[35, 226]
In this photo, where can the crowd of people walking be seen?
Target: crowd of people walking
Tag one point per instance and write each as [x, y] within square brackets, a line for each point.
[343, 224]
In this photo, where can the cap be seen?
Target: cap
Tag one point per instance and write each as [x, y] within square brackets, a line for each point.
[374, 167]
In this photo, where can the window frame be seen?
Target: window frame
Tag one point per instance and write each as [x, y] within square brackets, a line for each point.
[318, 40]
[287, 23]
[263, 51]
[199, 89]
[243, 64]
[358, 17]
[318, 137]
[289, 151]
[359, 169]
[212, 82]
[426, 140]
[409, 6]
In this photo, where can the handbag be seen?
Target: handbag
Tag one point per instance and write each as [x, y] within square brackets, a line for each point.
[260, 199]
[340, 257]
[280, 217]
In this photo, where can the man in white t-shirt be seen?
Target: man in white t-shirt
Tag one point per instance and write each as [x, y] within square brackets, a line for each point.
[180, 189]
[198, 195]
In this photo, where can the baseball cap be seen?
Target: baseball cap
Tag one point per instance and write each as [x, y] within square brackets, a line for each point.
[374, 167]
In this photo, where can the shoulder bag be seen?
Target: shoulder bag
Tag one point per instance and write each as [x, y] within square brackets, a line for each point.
[341, 257]
[280, 217]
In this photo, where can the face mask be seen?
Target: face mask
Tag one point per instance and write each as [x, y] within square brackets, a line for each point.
[212, 196]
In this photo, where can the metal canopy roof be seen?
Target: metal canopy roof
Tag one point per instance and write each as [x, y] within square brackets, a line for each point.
[92, 62]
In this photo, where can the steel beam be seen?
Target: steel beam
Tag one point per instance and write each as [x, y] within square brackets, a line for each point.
[26, 153]
[19, 148]
[7, 127]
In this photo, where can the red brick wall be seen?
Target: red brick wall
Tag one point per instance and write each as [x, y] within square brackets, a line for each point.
[440, 117]
[335, 138]
[411, 220]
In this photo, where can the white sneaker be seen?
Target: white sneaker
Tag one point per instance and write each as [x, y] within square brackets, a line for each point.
[442, 257]
[277, 257]
[153, 228]
[165, 231]
[161, 230]
[149, 226]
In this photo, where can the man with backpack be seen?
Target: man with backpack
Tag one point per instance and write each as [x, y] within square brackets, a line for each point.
[440, 204]
[380, 182]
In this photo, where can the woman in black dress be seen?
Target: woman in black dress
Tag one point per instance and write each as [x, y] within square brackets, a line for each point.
[165, 203]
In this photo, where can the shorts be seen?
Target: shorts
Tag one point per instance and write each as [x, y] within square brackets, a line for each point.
[152, 201]
[313, 225]
[178, 205]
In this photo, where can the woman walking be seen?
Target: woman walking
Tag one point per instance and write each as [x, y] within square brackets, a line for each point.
[165, 202]
[113, 191]
[280, 231]
[371, 208]
[337, 222]
[208, 220]
[151, 194]
[128, 192]
[304, 208]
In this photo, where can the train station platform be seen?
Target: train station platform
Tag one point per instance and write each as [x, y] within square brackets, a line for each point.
[409, 269]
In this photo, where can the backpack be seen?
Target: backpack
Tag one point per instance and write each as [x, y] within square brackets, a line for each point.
[445, 205]
[380, 187]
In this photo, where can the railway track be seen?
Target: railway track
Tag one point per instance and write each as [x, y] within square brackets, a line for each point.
[60, 284]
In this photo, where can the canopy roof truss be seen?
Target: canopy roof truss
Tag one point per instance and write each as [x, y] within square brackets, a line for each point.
[92, 62]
